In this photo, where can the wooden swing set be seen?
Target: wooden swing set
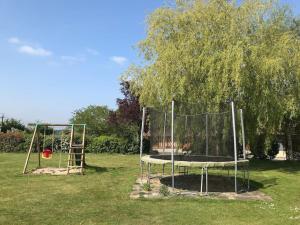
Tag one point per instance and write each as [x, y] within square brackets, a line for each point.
[76, 154]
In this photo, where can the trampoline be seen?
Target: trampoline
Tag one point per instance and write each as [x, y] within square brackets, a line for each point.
[184, 137]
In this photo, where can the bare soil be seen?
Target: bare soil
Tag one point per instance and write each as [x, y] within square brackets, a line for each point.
[220, 187]
[55, 171]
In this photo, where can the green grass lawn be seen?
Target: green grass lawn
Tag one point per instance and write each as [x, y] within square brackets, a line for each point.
[102, 196]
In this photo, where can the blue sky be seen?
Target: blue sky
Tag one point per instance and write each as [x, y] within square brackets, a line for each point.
[61, 55]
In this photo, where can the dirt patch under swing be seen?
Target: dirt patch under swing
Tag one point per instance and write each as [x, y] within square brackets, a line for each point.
[55, 171]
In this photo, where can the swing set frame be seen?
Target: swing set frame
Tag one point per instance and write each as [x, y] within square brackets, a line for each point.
[72, 149]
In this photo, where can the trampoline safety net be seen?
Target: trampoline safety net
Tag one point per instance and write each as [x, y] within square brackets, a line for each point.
[195, 133]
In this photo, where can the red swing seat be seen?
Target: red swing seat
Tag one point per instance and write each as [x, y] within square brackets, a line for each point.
[47, 153]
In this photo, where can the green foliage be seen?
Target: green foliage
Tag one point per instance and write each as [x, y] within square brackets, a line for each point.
[147, 187]
[164, 190]
[107, 144]
[11, 124]
[112, 144]
[95, 117]
[20, 141]
[133, 147]
[56, 143]
[208, 51]
[14, 142]
[259, 147]
[130, 131]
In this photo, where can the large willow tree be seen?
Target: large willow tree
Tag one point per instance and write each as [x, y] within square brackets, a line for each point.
[208, 51]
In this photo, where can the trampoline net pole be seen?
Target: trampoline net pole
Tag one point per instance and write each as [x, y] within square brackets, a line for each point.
[172, 140]
[142, 134]
[243, 134]
[234, 145]
[164, 135]
[206, 134]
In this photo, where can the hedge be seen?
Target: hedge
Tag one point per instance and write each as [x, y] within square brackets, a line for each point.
[112, 144]
[20, 141]
[14, 142]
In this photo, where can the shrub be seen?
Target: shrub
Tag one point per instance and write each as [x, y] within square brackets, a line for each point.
[94, 117]
[259, 147]
[112, 144]
[106, 144]
[132, 147]
[59, 143]
[164, 190]
[20, 142]
[24, 146]
[14, 142]
[147, 187]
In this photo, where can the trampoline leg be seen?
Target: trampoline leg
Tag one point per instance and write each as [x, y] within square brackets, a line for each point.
[148, 177]
[206, 183]
[142, 170]
[227, 172]
[244, 176]
[248, 179]
[163, 171]
[201, 180]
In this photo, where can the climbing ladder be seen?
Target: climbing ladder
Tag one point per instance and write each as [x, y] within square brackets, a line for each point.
[76, 149]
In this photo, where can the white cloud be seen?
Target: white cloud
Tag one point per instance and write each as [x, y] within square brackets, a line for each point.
[72, 59]
[29, 50]
[92, 51]
[14, 40]
[119, 59]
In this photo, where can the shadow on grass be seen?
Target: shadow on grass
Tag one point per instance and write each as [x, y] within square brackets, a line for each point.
[281, 166]
[216, 183]
[99, 169]
[267, 182]
[96, 169]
